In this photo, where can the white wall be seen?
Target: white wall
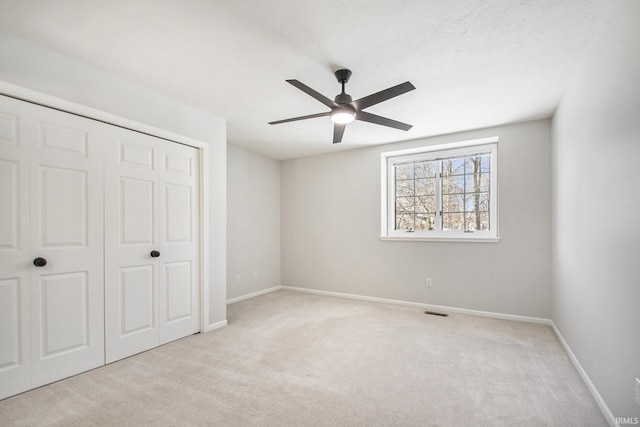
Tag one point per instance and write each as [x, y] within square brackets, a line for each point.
[330, 214]
[253, 222]
[31, 66]
[596, 239]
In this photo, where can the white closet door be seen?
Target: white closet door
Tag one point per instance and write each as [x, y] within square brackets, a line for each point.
[151, 243]
[67, 217]
[131, 234]
[51, 180]
[15, 257]
[179, 239]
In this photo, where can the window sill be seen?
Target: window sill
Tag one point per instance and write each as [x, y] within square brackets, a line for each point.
[443, 239]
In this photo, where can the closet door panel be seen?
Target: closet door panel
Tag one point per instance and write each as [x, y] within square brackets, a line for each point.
[67, 216]
[137, 294]
[15, 262]
[152, 243]
[179, 238]
[131, 235]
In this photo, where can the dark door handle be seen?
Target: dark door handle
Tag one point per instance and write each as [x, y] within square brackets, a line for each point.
[39, 262]
[154, 254]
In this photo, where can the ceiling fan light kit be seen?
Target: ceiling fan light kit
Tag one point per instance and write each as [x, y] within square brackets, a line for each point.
[344, 110]
[343, 115]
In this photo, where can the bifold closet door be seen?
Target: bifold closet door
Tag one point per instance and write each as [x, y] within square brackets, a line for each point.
[151, 243]
[15, 254]
[51, 246]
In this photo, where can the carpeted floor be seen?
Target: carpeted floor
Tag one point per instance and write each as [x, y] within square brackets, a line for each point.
[296, 359]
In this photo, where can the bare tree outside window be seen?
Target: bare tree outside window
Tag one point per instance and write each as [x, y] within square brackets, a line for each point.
[455, 191]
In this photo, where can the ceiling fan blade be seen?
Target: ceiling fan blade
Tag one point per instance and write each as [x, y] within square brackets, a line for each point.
[338, 131]
[294, 119]
[383, 95]
[317, 95]
[379, 120]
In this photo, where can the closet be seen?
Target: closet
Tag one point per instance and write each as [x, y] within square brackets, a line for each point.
[99, 248]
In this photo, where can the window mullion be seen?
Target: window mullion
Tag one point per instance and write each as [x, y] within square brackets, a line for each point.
[438, 224]
[391, 221]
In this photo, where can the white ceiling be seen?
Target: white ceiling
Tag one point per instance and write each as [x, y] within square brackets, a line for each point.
[475, 63]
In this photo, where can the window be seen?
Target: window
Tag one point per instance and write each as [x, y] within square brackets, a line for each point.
[444, 192]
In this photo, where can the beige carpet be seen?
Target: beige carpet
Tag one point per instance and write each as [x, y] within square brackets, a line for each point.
[296, 359]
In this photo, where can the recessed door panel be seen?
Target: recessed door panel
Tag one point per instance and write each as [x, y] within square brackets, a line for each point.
[10, 324]
[65, 140]
[65, 313]
[139, 156]
[9, 173]
[178, 164]
[136, 211]
[136, 299]
[8, 129]
[64, 207]
[178, 290]
[178, 213]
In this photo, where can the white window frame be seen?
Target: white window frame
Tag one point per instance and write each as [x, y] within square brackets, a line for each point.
[429, 153]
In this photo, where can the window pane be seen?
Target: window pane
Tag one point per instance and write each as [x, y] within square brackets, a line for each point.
[404, 187]
[477, 182]
[404, 222]
[425, 187]
[484, 221]
[477, 202]
[453, 203]
[404, 171]
[404, 205]
[477, 221]
[453, 184]
[425, 170]
[425, 222]
[485, 165]
[453, 221]
[425, 204]
[453, 166]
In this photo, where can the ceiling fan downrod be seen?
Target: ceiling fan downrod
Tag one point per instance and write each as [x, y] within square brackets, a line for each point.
[343, 77]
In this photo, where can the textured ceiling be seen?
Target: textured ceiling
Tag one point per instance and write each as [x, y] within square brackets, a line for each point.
[475, 63]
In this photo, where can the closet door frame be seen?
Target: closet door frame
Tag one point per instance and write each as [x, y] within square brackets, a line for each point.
[45, 100]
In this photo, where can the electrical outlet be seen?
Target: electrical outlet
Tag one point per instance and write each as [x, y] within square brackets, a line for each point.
[428, 282]
[237, 277]
[638, 391]
[255, 274]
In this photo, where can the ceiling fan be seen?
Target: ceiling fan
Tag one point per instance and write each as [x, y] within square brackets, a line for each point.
[344, 110]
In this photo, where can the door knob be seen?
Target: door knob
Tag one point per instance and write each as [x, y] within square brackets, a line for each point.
[154, 254]
[39, 262]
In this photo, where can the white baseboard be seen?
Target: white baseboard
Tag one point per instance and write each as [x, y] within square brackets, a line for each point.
[433, 307]
[592, 388]
[253, 294]
[215, 326]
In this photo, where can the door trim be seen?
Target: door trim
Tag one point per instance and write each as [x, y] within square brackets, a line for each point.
[55, 103]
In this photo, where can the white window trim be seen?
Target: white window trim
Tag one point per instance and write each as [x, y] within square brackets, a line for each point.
[461, 148]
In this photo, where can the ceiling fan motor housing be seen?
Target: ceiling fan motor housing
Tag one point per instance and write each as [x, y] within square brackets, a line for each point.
[342, 98]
